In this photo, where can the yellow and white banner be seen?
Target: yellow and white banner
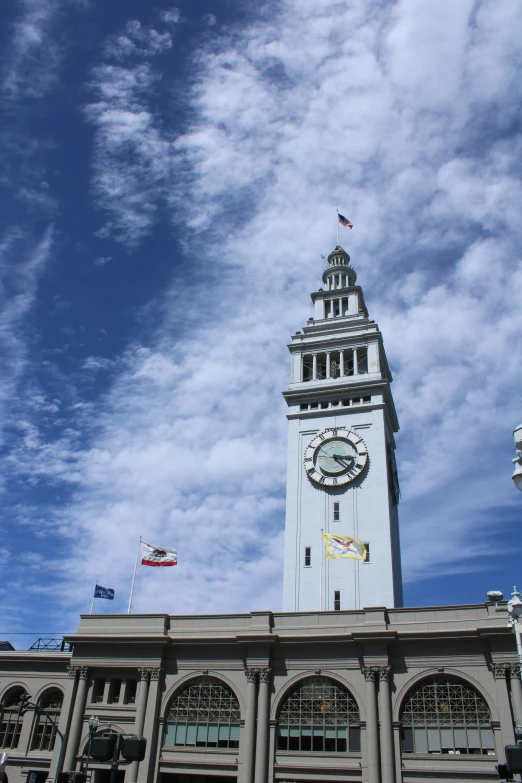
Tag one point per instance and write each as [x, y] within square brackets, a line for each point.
[344, 546]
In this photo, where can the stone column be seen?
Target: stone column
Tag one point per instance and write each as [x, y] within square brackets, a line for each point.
[386, 733]
[355, 365]
[151, 728]
[372, 727]
[341, 363]
[263, 711]
[516, 692]
[328, 364]
[139, 720]
[505, 713]
[79, 673]
[250, 727]
[340, 307]
[314, 367]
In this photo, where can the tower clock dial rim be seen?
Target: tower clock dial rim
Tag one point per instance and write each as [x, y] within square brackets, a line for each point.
[335, 457]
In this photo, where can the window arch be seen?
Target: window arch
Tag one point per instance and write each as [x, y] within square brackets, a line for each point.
[446, 715]
[45, 730]
[319, 714]
[205, 714]
[10, 719]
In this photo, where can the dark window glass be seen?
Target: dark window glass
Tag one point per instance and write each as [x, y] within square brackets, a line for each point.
[205, 714]
[367, 556]
[336, 512]
[319, 715]
[130, 691]
[446, 716]
[308, 556]
[337, 600]
[10, 720]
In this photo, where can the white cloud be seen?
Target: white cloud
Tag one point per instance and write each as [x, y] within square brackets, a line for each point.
[21, 266]
[170, 16]
[34, 54]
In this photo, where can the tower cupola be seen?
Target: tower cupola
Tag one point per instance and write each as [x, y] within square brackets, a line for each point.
[339, 273]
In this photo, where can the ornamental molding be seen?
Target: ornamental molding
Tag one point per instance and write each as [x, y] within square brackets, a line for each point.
[81, 671]
[370, 673]
[149, 672]
[263, 675]
[500, 670]
[384, 673]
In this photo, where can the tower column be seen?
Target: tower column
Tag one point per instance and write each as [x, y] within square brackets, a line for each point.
[341, 363]
[71, 751]
[516, 691]
[355, 368]
[387, 757]
[328, 364]
[314, 367]
[263, 708]
[248, 744]
[372, 725]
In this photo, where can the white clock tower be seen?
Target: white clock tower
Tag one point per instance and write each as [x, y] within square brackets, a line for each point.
[342, 476]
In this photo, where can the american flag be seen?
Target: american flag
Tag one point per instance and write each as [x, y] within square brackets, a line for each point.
[344, 221]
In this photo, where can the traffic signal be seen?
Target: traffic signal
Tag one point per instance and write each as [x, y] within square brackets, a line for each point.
[514, 757]
[503, 772]
[133, 748]
[102, 748]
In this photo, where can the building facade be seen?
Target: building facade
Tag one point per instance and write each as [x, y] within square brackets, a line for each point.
[341, 474]
[376, 695]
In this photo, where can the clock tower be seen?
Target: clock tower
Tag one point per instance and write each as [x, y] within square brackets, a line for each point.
[341, 476]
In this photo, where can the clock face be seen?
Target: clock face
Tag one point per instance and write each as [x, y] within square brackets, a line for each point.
[335, 457]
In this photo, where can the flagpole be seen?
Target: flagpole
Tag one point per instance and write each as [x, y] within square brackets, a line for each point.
[337, 227]
[134, 577]
[93, 597]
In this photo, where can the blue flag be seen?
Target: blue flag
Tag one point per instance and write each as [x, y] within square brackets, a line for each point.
[103, 592]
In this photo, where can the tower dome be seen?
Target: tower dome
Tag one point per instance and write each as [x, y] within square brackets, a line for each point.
[339, 264]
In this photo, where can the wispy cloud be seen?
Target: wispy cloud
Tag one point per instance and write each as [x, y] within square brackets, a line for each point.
[31, 67]
[21, 266]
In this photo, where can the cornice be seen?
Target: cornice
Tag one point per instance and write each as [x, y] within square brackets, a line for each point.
[307, 391]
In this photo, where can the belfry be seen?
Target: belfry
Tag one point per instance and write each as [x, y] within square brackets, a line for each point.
[342, 475]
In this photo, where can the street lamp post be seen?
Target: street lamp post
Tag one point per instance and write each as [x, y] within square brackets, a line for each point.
[94, 722]
[517, 473]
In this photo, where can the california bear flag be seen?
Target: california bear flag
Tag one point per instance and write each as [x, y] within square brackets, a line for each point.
[344, 546]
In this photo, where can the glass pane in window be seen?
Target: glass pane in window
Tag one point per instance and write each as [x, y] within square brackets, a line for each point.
[474, 738]
[446, 738]
[224, 731]
[306, 738]
[421, 741]
[433, 741]
[461, 742]
[181, 734]
[407, 740]
[191, 734]
[212, 734]
[202, 734]
[329, 741]
[234, 733]
[169, 734]
[488, 741]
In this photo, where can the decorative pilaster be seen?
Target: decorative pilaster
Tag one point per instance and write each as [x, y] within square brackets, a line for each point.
[386, 727]
[79, 673]
[249, 730]
[516, 692]
[372, 727]
[500, 670]
[139, 721]
[263, 710]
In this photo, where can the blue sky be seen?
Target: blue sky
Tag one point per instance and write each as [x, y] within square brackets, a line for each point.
[170, 176]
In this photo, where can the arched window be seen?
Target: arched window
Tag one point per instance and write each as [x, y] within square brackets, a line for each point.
[10, 720]
[445, 715]
[319, 714]
[45, 731]
[204, 714]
